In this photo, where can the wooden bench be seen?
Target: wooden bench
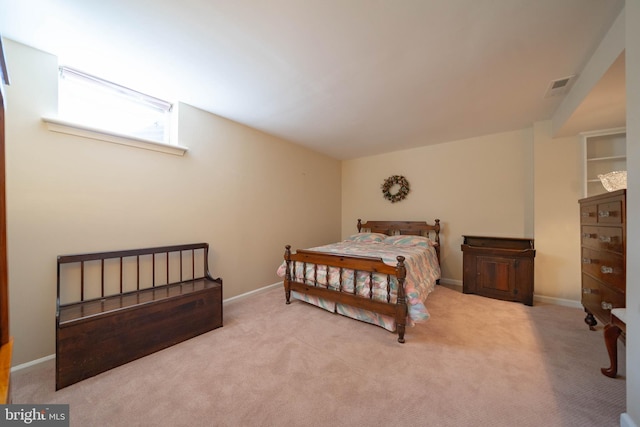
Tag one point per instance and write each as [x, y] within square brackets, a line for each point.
[115, 307]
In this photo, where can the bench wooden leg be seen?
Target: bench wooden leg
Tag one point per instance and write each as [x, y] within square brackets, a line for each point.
[611, 334]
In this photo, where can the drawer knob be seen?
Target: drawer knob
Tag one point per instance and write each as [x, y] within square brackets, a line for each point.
[606, 270]
[603, 214]
[588, 235]
[587, 260]
[606, 305]
[586, 214]
[605, 239]
[587, 291]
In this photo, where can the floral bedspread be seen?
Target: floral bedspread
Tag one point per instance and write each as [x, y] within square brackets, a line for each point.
[422, 267]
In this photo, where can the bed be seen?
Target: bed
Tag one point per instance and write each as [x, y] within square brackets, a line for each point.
[381, 275]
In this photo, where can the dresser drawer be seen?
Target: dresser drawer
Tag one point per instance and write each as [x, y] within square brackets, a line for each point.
[610, 212]
[599, 299]
[606, 266]
[605, 210]
[603, 238]
[589, 214]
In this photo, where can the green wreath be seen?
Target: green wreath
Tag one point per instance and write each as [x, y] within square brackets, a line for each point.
[401, 193]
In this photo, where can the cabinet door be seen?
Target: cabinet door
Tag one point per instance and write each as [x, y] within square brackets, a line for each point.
[497, 276]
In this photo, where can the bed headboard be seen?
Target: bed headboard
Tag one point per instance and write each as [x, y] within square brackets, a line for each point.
[415, 228]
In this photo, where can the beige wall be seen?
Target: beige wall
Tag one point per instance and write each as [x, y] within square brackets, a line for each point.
[245, 193]
[478, 186]
[557, 189]
[513, 184]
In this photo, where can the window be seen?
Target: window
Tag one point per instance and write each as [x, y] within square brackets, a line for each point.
[92, 107]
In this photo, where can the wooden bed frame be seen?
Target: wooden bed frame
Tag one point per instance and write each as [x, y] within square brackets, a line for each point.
[397, 310]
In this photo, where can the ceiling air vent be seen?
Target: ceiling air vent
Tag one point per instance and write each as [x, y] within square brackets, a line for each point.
[559, 86]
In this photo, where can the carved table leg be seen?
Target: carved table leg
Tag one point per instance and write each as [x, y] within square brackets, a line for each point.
[591, 321]
[611, 334]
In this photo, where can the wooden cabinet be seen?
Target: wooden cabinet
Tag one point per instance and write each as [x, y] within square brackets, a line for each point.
[604, 151]
[603, 254]
[499, 267]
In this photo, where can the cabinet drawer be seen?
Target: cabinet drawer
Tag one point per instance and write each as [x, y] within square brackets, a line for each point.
[603, 238]
[606, 266]
[589, 214]
[599, 299]
[610, 213]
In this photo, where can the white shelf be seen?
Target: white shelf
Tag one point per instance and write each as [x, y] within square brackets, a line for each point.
[603, 152]
[601, 159]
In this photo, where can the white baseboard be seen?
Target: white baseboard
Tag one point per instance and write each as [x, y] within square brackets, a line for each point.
[626, 421]
[558, 301]
[457, 284]
[255, 291]
[33, 363]
[53, 356]
[452, 283]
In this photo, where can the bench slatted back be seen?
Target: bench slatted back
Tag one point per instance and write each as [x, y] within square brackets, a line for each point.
[178, 250]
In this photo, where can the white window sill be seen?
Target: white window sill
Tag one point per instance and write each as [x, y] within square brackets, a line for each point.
[63, 126]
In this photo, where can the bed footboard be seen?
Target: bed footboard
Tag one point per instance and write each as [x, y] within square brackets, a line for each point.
[308, 272]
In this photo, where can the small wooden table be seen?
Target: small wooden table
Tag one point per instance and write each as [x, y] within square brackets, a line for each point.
[616, 328]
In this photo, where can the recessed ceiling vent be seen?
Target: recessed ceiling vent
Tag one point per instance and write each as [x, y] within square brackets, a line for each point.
[559, 86]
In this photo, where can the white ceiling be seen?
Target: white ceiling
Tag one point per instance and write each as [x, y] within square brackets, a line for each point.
[348, 78]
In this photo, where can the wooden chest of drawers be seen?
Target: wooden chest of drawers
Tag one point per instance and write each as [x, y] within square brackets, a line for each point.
[603, 257]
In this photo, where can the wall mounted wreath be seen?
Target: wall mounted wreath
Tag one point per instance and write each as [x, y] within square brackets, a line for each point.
[390, 182]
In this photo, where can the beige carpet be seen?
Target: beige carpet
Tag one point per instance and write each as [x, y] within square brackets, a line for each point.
[476, 362]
